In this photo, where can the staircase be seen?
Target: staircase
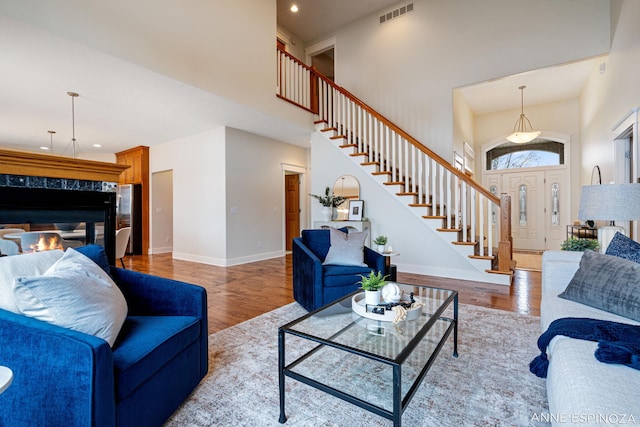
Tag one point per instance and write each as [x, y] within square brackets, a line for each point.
[459, 210]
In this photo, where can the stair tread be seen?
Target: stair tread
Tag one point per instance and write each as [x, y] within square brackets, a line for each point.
[449, 230]
[358, 154]
[407, 193]
[487, 257]
[328, 129]
[508, 273]
[347, 145]
[338, 137]
[465, 243]
[434, 217]
[369, 164]
[420, 205]
[381, 173]
[317, 122]
[394, 183]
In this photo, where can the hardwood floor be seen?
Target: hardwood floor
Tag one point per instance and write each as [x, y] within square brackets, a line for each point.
[232, 290]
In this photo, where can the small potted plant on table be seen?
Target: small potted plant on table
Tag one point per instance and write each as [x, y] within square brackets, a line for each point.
[371, 285]
[380, 241]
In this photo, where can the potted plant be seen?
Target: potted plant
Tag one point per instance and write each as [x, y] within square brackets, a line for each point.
[371, 285]
[380, 241]
[579, 245]
[329, 202]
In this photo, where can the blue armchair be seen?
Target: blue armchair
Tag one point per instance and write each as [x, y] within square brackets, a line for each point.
[65, 377]
[315, 284]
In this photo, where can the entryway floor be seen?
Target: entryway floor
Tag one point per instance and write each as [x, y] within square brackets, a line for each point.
[528, 260]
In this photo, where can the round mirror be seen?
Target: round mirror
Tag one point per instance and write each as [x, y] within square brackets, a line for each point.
[349, 187]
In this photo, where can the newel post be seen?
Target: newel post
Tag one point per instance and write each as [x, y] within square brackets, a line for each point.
[313, 90]
[505, 242]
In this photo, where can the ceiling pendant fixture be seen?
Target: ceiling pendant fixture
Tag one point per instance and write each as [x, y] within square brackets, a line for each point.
[74, 143]
[50, 147]
[520, 133]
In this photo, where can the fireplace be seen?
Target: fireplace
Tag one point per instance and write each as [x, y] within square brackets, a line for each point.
[22, 205]
[38, 189]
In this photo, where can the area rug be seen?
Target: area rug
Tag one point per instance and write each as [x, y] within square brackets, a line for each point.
[489, 384]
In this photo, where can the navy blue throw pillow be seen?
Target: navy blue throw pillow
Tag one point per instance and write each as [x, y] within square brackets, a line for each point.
[96, 254]
[624, 247]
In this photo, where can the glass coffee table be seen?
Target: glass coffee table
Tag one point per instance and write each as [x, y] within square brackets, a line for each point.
[374, 364]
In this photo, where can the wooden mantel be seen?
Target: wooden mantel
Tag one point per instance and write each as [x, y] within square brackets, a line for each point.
[35, 164]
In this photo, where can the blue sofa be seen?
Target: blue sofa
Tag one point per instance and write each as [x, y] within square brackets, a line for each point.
[68, 378]
[315, 284]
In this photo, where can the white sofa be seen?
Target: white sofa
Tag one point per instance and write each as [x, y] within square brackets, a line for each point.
[581, 390]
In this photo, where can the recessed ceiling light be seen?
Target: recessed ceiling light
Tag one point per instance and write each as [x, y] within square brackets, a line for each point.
[44, 148]
[97, 145]
[294, 8]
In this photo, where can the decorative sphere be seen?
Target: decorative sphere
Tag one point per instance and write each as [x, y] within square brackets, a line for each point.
[391, 292]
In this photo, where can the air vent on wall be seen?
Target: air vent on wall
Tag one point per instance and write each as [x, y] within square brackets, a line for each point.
[396, 13]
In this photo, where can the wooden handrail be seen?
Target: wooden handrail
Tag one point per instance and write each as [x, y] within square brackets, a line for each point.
[462, 176]
[316, 84]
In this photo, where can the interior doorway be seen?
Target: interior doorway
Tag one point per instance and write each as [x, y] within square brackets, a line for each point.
[292, 208]
[321, 56]
[324, 63]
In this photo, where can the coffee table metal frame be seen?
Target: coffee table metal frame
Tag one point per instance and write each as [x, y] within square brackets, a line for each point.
[399, 405]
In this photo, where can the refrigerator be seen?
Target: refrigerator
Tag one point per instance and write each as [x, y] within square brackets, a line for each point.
[129, 214]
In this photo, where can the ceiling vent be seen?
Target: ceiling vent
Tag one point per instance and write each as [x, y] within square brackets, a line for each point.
[396, 13]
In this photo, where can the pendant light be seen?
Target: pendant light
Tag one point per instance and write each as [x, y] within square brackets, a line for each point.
[74, 143]
[51, 132]
[520, 133]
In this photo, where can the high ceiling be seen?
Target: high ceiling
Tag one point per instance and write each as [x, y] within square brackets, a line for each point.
[122, 105]
[316, 18]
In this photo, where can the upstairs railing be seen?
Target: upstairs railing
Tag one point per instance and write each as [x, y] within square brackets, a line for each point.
[464, 205]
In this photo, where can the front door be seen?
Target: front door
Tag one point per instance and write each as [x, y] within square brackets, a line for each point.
[539, 205]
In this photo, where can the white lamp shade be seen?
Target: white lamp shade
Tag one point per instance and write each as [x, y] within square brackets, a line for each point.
[523, 137]
[610, 202]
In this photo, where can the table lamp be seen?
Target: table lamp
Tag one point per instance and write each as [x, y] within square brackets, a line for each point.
[610, 202]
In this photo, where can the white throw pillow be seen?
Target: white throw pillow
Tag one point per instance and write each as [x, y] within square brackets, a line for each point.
[346, 249]
[74, 293]
[32, 264]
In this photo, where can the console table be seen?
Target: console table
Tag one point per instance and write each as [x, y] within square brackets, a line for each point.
[581, 232]
[357, 225]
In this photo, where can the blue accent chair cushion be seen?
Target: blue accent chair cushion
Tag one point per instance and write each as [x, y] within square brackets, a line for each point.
[315, 284]
[66, 377]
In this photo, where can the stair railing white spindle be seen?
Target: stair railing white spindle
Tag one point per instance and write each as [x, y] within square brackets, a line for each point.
[456, 194]
[480, 230]
[464, 220]
[469, 211]
[461, 202]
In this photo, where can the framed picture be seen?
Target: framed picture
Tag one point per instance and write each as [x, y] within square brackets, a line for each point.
[355, 210]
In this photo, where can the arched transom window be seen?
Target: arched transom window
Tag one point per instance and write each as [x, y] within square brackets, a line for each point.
[536, 153]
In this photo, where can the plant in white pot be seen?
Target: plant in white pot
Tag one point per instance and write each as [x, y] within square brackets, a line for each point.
[329, 202]
[371, 285]
[380, 241]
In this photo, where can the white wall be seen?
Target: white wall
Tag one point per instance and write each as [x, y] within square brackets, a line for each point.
[255, 192]
[610, 95]
[162, 208]
[226, 48]
[408, 67]
[216, 171]
[199, 220]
